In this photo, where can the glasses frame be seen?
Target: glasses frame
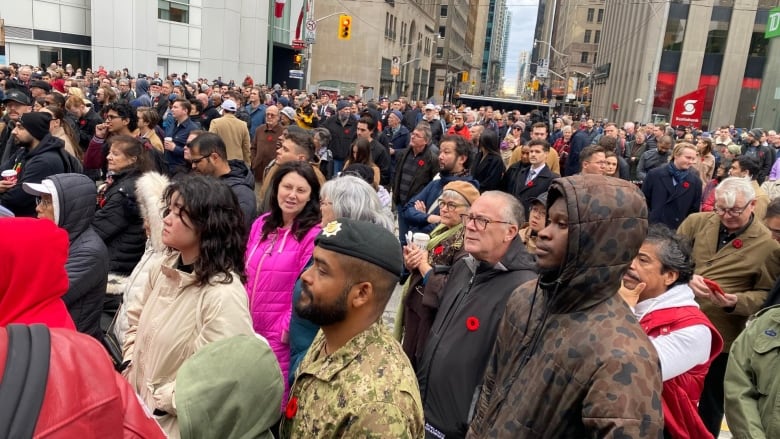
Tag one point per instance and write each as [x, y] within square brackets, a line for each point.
[450, 205]
[200, 159]
[40, 201]
[479, 223]
[732, 212]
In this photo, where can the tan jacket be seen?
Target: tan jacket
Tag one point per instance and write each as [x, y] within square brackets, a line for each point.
[762, 202]
[235, 134]
[172, 320]
[748, 271]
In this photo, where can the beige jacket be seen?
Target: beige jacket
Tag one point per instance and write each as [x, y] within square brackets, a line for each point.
[235, 134]
[172, 320]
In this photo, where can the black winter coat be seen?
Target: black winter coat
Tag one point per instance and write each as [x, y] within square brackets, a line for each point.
[32, 167]
[342, 136]
[461, 339]
[120, 225]
[87, 264]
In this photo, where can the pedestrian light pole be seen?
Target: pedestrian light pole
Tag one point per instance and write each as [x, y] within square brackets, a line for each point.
[565, 56]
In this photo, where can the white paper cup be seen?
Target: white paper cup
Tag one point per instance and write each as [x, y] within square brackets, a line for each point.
[421, 240]
[168, 139]
[8, 175]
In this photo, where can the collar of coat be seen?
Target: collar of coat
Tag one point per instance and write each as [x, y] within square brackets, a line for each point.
[326, 367]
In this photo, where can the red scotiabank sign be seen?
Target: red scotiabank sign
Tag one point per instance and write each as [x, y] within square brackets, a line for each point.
[688, 109]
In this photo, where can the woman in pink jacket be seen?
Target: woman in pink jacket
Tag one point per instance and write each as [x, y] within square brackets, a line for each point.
[280, 243]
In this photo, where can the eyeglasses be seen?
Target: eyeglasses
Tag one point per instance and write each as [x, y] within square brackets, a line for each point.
[732, 211]
[112, 117]
[480, 222]
[198, 160]
[42, 202]
[324, 203]
[450, 205]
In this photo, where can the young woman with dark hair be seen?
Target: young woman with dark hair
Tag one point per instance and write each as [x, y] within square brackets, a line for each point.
[194, 297]
[280, 243]
[488, 167]
[361, 153]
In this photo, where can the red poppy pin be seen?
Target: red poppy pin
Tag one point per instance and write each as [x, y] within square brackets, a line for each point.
[270, 138]
[438, 250]
[472, 323]
[530, 184]
[686, 184]
[421, 162]
[346, 131]
[292, 408]
[737, 243]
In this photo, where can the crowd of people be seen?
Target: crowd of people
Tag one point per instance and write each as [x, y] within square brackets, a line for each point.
[228, 249]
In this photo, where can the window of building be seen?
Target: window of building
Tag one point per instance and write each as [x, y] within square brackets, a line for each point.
[174, 10]
[439, 52]
[395, 26]
[443, 10]
[591, 11]
[601, 16]
[442, 31]
[587, 35]
[584, 57]
[597, 37]
[387, 24]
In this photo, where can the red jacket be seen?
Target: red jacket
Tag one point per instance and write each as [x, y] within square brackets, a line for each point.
[462, 132]
[33, 278]
[84, 396]
[680, 397]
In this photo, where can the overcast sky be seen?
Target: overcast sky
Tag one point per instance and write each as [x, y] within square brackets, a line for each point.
[521, 36]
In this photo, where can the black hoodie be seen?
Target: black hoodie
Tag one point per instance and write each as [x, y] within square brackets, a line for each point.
[32, 166]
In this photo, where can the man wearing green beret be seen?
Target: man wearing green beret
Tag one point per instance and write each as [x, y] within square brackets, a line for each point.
[355, 380]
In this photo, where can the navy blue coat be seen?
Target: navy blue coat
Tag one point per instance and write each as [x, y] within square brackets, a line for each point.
[669, 204]
[514, 183]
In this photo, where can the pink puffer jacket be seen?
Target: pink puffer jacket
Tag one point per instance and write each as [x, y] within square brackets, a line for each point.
[272, 267]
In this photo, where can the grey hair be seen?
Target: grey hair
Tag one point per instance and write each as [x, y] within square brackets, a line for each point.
[354, 198]
[323, 134]
[425, 128]
[673, 252]
[511, 209]
[728, 190]
[566, 128]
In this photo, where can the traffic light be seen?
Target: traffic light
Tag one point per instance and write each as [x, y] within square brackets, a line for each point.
[464, 77]
[345, 27]
[298, 59]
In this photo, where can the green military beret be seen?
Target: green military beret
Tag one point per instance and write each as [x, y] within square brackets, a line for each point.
[363, 240]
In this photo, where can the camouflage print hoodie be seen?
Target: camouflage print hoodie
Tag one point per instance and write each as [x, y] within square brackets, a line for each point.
[570, 359]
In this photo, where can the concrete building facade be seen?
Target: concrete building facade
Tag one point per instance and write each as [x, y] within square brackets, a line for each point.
[454, 53]
[652, 53]
[205, 38]
[380, 32]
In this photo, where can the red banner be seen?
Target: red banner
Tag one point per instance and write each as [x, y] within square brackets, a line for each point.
[688, 109]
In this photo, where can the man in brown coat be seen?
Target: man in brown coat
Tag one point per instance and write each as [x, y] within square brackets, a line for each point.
[263, 148]
[233, 132]
[732, 248]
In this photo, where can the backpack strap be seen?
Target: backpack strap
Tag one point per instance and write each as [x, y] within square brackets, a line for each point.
[24, 380]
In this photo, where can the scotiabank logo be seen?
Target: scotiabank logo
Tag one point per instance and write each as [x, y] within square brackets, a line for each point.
[689, 106]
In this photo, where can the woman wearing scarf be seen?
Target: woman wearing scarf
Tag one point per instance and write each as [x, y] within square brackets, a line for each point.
[429, 268]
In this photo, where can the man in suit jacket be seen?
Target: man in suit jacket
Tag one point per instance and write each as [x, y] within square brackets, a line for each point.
[529, 182]
[732, 248]
[673, 192]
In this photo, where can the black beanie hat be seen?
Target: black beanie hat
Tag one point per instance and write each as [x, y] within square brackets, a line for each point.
[36, 123]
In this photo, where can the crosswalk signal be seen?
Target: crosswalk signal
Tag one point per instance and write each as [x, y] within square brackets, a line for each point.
[345, 27]
[298, 59]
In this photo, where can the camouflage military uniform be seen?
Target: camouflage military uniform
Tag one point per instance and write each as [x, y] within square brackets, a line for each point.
[366, 389]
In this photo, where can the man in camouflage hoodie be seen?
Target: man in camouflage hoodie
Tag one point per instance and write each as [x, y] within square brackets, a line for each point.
[570, 359]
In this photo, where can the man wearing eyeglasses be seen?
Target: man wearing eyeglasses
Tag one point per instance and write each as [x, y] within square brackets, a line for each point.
[733, 249]
[453, 362]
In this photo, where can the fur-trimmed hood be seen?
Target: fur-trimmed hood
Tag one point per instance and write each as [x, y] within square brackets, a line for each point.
[149, 190]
